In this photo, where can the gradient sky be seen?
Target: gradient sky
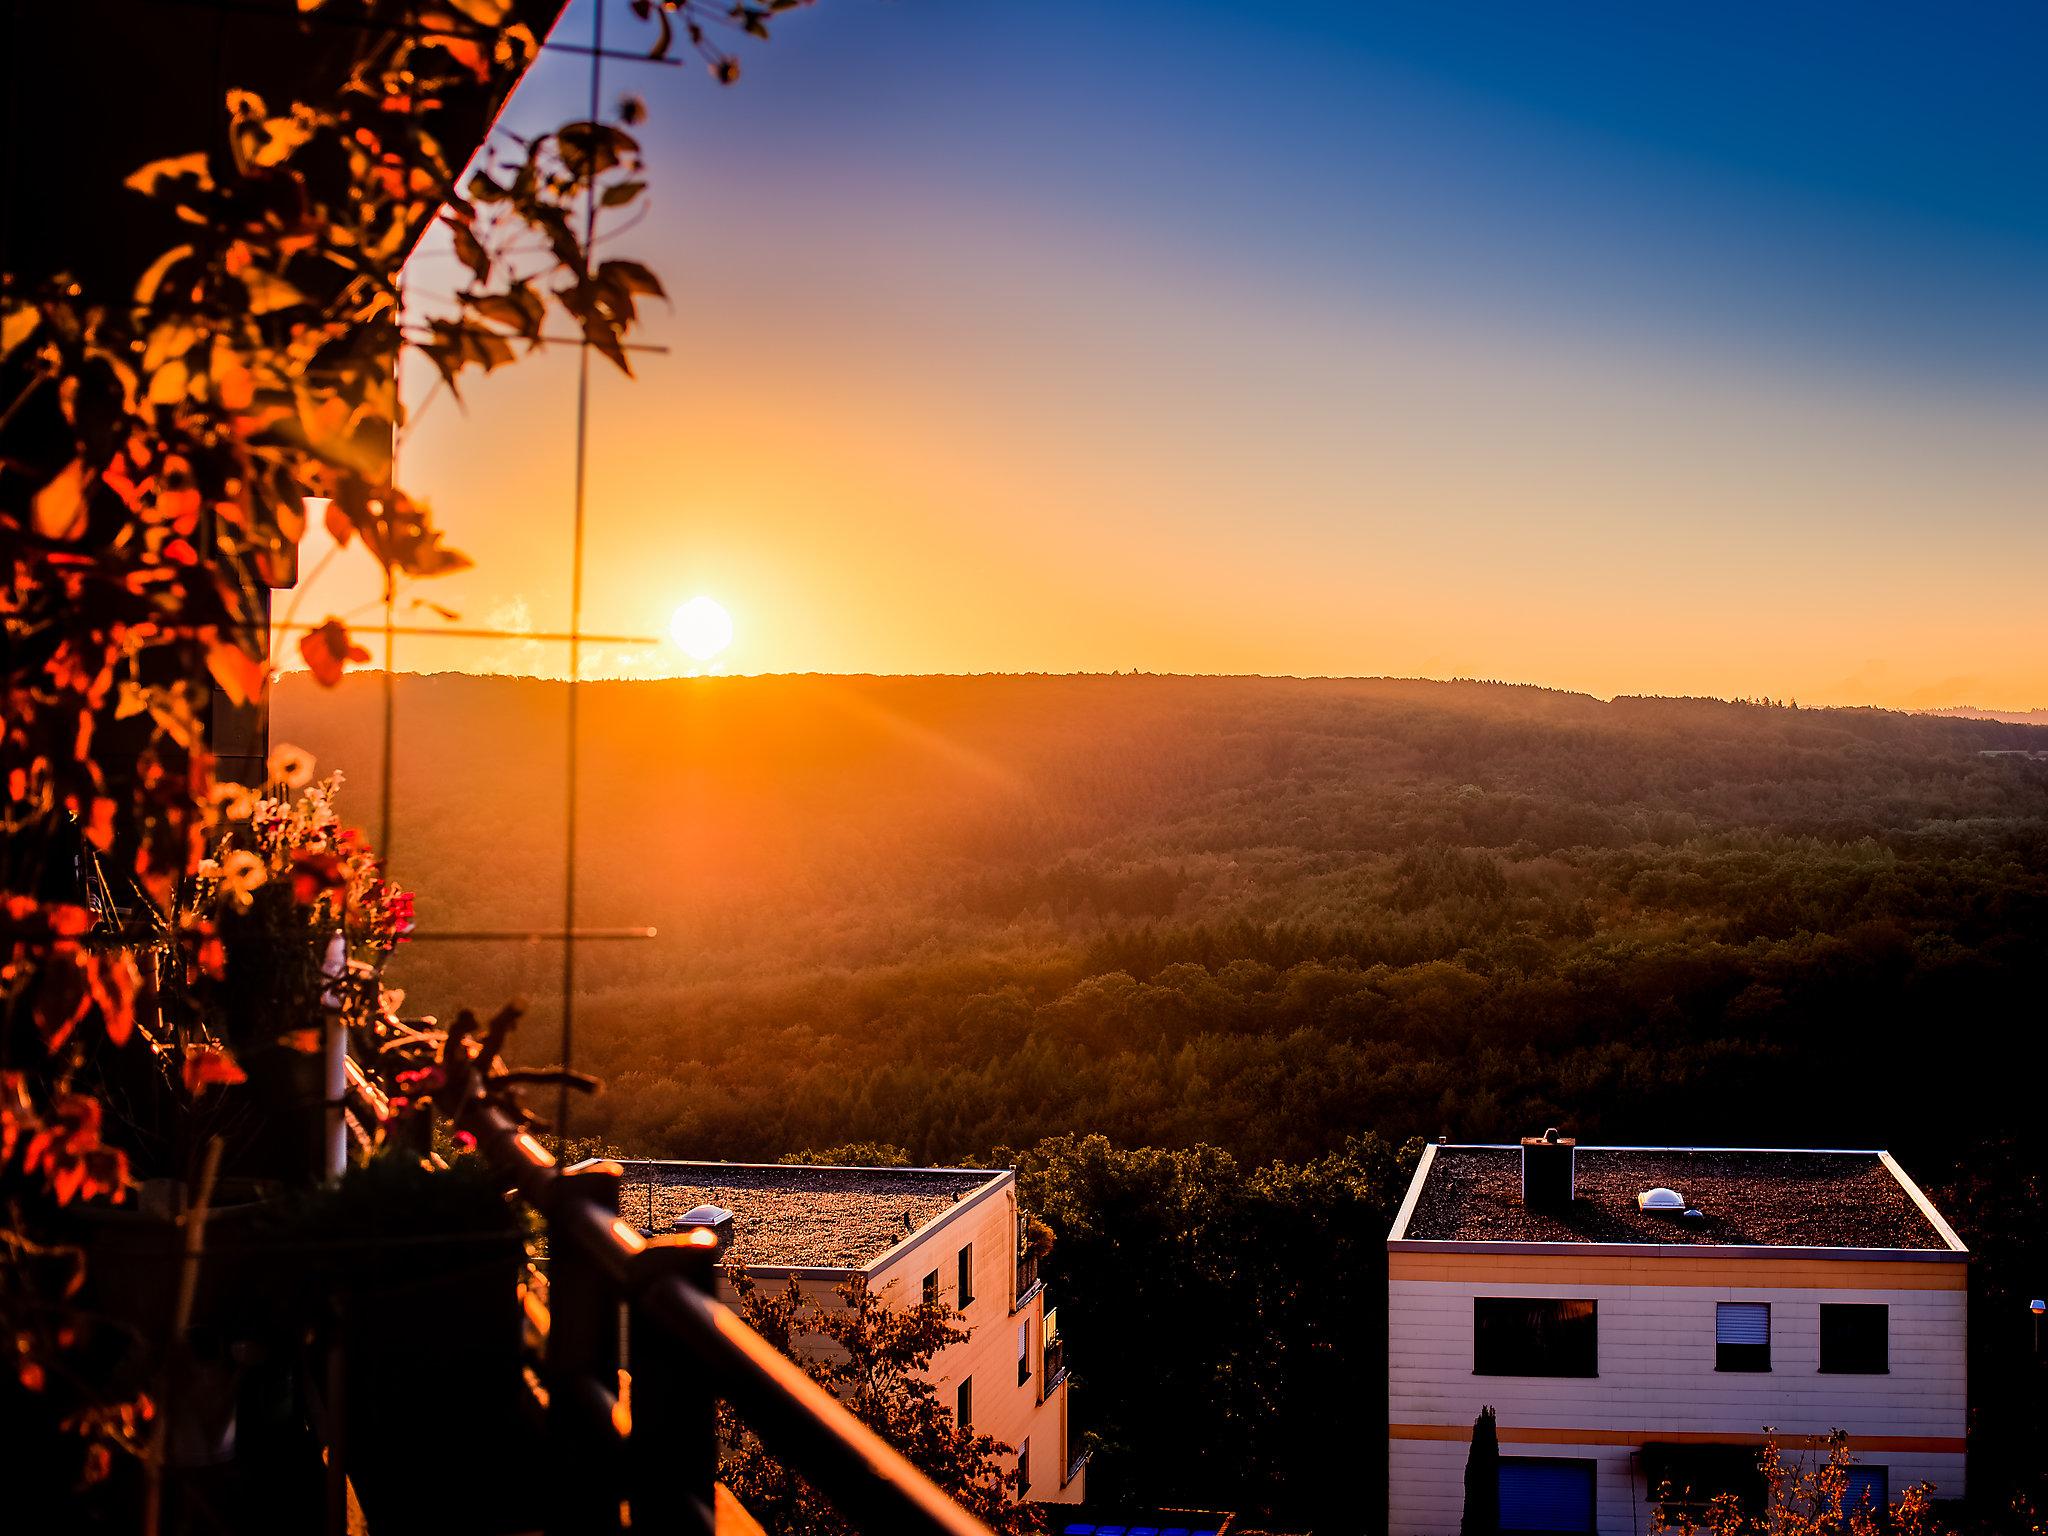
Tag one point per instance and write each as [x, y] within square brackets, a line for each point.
[1629, 348]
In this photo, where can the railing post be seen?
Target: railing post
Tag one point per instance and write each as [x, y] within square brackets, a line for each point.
[672, 1449]
[582, 1367]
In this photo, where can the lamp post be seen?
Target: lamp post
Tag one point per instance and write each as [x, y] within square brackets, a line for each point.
[2037, 1306]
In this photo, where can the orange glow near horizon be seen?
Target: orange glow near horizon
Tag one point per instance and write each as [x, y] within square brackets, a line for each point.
[957, 429]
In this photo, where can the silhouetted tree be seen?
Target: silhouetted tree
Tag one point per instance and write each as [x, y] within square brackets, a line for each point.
[1482, 1480]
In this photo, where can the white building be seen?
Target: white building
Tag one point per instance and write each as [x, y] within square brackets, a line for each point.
[948, 1235]
[1632, 1351]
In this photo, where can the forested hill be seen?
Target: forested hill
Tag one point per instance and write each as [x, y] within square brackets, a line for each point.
[953, 913]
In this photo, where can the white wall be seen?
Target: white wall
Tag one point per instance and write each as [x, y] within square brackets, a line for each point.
[1656, 1361]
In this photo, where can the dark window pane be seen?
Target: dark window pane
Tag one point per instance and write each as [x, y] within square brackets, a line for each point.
[1536, 1337]
[1854, 1339]
[1687, 1478]
[1742, 1357]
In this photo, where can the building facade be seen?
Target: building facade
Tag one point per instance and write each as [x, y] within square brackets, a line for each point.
[1637, 1317]
[950, 1235]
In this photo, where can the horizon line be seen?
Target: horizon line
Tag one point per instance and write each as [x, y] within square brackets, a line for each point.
[1987, 713]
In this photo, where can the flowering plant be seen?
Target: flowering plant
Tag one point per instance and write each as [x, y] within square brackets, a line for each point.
[288, 836]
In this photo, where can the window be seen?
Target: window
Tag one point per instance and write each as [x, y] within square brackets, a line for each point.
[1742, 1336]
[1685, 1479]
[1024, 1467]
[1866, 1489]
[966, 1276]
[963, 1402]
[1541, 1337]
[931, 1289]
[1545, 1493]
[1023, 1351]
[1855, 1338]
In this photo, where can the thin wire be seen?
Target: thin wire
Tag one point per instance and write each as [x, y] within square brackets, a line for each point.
[576, 609]
[390, 645]
[390, 708]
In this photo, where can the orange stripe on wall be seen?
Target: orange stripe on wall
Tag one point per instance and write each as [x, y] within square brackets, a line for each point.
[1679, 1268]
[1514, 1435]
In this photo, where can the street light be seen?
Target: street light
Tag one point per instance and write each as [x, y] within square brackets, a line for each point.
[2037, 1306]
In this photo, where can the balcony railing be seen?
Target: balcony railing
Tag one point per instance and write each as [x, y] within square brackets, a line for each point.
[1027, 1276]
[1055, 1366]
[654, 1447]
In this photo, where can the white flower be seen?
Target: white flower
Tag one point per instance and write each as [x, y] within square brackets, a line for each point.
[208, 869]
[236, 802]
[291, 766]
[241, 873]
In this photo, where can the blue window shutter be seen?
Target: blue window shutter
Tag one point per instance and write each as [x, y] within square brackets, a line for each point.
[1865, 1483]
[1546, 1494]
[1742, 1322]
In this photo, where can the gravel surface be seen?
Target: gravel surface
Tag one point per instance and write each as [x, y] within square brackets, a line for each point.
[820, 1218]
[1783, 1199]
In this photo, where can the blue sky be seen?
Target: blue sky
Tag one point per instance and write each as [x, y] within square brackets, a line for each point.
[1636, 348]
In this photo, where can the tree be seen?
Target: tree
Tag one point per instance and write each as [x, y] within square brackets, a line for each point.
[873, 1358]
[163, 444]
[1812, 1495]
[1482, 1479]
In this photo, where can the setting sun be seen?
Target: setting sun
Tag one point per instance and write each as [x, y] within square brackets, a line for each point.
[702, 628]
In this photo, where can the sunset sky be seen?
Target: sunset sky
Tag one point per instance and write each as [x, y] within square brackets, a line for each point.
[1630, 348]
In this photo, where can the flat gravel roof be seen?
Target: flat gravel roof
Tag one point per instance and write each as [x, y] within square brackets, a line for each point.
[1750, 1199]
[796, 1216]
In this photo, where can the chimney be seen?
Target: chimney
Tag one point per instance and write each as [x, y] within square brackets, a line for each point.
[716, 1217]
[1547, 1175]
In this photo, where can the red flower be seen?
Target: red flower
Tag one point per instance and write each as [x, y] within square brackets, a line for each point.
[315, 875]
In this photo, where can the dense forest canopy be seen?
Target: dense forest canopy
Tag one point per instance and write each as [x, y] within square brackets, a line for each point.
[1202, 958]
[950, 913]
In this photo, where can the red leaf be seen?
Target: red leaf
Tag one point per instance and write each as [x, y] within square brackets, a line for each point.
[115, 982]
[240, 675]
[206, 1065]
[328, 651]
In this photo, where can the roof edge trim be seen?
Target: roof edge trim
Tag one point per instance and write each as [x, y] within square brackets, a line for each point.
[1919, 1198]
[1680, 1250]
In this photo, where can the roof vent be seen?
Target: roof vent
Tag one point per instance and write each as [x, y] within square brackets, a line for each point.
[715, 1218]
[1694, 1216]
[1661, 1202]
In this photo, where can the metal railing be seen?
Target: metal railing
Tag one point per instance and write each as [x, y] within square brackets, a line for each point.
[1027, 1275]
[1055, 1366]
[654, 1447]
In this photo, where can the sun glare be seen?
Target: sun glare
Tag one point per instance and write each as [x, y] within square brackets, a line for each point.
[702, 628]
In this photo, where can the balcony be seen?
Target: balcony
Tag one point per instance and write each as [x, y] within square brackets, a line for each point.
[688, 1350]
[1028, 1282]
[1055, 1367]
